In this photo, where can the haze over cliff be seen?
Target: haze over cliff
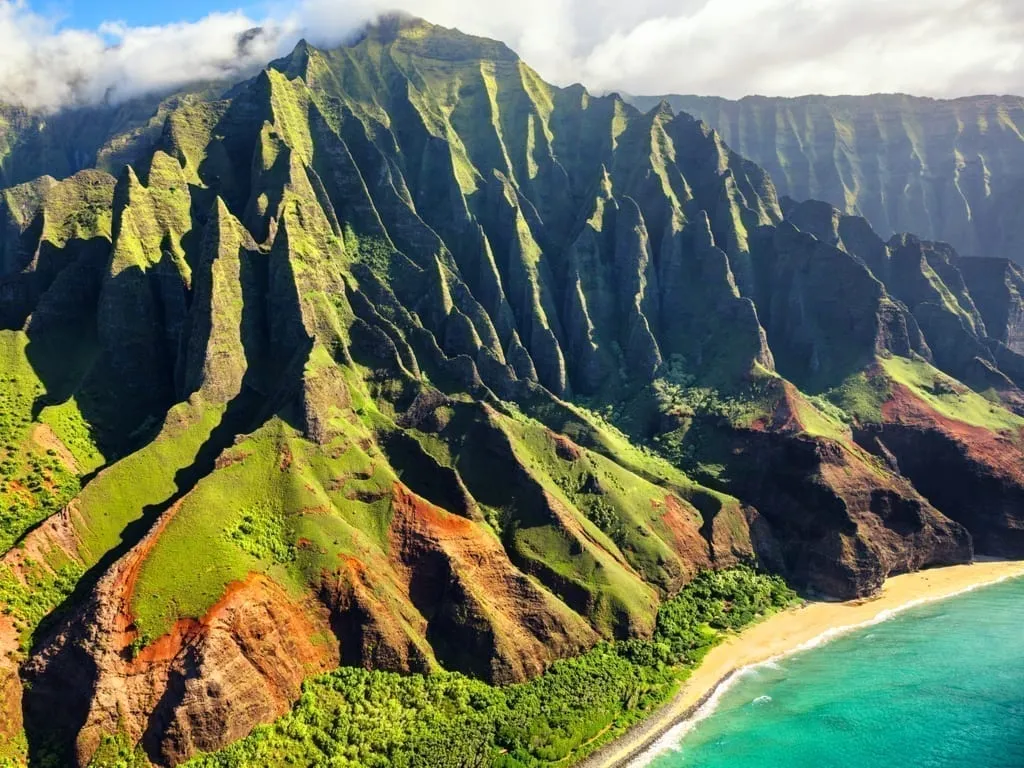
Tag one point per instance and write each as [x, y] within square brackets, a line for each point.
[949, 170]
[396, 356]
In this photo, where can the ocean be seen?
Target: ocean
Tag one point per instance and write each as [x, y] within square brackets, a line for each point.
[941, 684]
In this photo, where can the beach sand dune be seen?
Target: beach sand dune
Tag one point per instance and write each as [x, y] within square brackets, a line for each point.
[784, 633]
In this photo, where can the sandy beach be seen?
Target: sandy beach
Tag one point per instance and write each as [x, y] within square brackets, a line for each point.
[788, 632]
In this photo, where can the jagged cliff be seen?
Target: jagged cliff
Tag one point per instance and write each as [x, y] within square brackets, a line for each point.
[397, 356]
[949, 170]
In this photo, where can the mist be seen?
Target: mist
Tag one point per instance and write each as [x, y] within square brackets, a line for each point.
[730, 48]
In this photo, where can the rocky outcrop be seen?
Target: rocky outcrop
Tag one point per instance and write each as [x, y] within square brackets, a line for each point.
[200, 686]
[974, 475]
[483, 616]
[840, 523]
[930, 309]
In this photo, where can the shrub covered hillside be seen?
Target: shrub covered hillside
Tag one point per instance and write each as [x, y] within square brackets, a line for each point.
[397, 359]
[354, 717]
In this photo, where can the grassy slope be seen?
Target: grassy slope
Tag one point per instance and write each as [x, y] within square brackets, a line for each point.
[34, 480]
[862, 396]
[122, 493]
[270, 494]
[949, 397]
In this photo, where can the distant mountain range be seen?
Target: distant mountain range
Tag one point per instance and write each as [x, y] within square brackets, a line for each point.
[944, 170]
[396, 356]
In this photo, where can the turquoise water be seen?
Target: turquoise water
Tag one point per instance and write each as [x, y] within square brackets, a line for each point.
[939, 685]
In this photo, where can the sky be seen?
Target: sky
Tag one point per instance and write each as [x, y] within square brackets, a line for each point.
[56, 53]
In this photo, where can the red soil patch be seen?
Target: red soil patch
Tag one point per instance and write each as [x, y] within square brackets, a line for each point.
[355, 566]
[565, 448]
[759, 424]
[185, 630]
[682, 524]
[285, 459]
[168, 646]
[47, 439]
[10, 684]
[188, 630]
[787, 414]
[408, 504]
[997, 452]
[128, 577]
[226, 459]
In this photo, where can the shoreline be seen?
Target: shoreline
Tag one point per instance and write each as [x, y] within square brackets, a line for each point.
[782, 634]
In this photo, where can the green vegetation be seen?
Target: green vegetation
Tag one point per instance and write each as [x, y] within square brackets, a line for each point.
[119, 752]
[861, 397]
[821, 417]
[34, 481]
[120, 494]
[354, 717]
[244, 536]
[325, 288]
[949, 397]
[372, 251]
[31, 601]
[262, 533]
[67, 423]
[271, 491]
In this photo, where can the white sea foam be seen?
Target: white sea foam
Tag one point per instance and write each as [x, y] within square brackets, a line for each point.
[671, 740]
[761, 700]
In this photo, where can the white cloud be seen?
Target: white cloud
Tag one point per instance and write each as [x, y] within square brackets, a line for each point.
[724, 47]
[42, 66]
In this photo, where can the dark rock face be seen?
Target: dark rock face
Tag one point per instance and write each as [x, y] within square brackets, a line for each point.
[975, 476]
[840, 527]
[343, 332]
[934, 290]
[997, 286]
[944, 470]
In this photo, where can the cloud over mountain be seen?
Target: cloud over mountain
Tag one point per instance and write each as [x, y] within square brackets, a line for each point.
[723, 47]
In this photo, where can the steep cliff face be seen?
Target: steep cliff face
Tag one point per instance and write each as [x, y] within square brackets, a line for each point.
[944, 170]
[36, 143]
[319, 374]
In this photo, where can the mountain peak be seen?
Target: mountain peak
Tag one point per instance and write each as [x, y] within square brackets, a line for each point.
[415, 35]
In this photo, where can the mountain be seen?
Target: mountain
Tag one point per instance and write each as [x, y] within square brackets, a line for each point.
[397, 357]
[949, 170]
[37, 143]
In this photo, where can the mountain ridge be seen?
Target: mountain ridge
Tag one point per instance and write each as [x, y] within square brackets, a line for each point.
[944, 169]
[298, 339]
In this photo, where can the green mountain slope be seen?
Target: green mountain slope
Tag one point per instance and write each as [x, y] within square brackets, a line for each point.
[944, 170]
[397, 357]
